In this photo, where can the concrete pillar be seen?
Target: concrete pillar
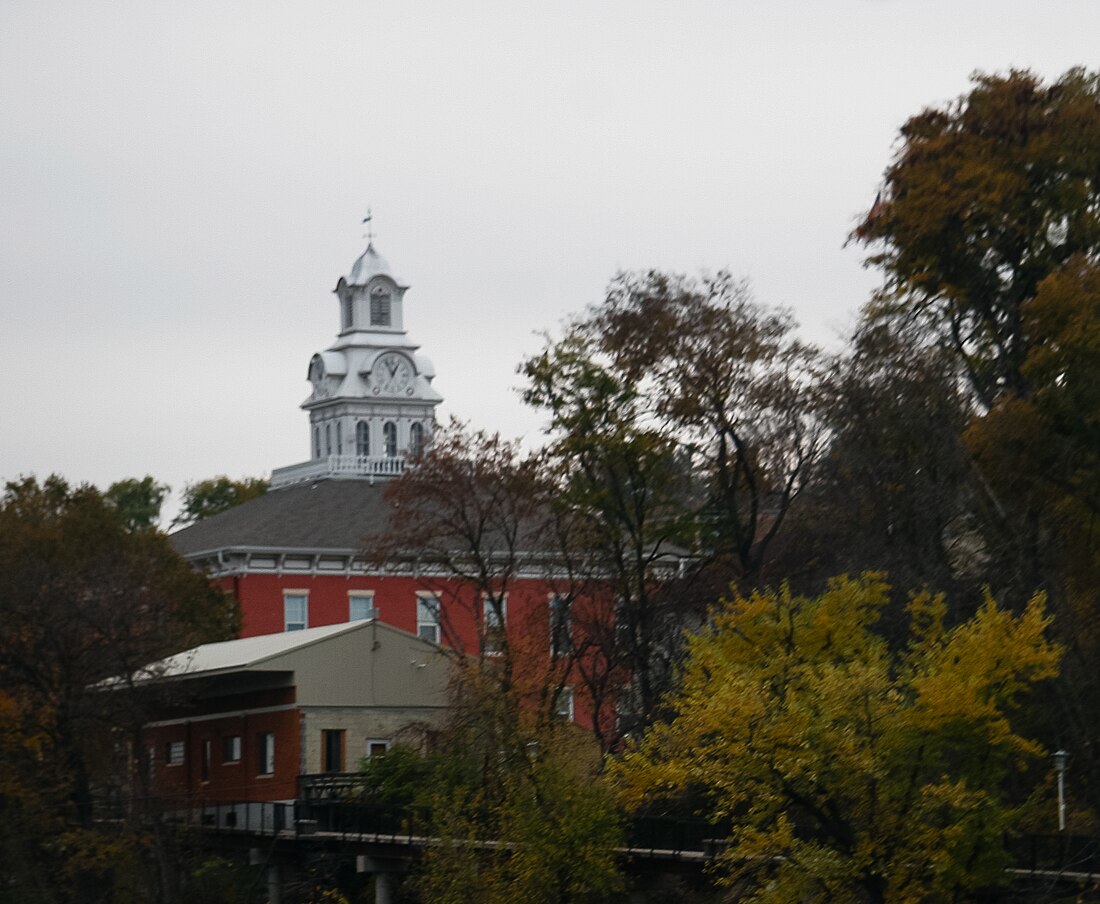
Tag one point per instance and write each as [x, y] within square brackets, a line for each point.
[383, 878]
[274, 886]
[383, 888]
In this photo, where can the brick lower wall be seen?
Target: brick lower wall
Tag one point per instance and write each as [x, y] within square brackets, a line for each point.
[220, 779]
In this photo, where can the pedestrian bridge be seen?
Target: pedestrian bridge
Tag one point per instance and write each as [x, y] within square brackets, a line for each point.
[385, 841]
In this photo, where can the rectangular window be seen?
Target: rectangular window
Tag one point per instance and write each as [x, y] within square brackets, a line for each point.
[295, 610]
[494, 613]
[231, 749]
[207, 756]
[563, 706]
[265, 753]
[332, 750]
[173, 753]
[380, 309]
[361, 606]
[377, 746]
[561, 632]
[427, 617]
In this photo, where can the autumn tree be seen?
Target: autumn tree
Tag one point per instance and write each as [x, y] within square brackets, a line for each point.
[984, 199]
[1039, 454]
[988, 230]
[1044, 446]
[473, 518]
[847, 771]
[215, 495]
[520, 810]
[84, 598]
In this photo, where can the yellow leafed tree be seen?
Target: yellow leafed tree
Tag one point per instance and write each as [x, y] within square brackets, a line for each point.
[849, 772]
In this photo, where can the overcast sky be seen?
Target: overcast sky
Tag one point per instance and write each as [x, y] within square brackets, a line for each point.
[182, 184]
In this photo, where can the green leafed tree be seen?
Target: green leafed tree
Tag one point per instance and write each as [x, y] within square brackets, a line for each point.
[683, 421]
[624, 502]
[846, 771]
[138, 501]
[216, 495]
[728, 382]
[896, 489]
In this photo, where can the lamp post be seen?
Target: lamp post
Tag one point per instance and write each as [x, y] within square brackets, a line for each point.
[1060, 757]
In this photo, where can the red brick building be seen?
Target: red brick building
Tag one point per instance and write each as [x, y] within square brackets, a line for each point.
[295, 556]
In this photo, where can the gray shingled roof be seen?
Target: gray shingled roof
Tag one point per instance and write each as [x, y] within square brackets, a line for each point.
[324, 514]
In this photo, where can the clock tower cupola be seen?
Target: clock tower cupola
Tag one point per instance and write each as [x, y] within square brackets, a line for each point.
[372, 405]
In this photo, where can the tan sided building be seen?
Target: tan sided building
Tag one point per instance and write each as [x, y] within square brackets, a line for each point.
[250, 716]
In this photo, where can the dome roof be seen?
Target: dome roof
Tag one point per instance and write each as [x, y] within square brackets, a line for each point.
[369, 263]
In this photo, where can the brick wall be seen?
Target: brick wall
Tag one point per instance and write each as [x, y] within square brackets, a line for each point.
[210, 772]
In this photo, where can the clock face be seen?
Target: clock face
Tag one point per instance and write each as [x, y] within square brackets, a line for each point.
[392, 373]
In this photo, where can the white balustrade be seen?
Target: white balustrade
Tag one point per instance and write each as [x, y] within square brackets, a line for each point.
[371, 466]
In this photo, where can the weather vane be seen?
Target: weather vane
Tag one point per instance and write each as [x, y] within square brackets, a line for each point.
[370, 228]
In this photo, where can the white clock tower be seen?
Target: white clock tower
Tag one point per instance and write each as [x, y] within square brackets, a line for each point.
[373, 406]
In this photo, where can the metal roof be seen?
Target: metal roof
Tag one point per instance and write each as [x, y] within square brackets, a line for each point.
[246, 653]
[369, 263]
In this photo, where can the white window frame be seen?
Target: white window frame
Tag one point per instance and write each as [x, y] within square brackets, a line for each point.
[370, 742]
[231, 745]
[265, 753]
[489, 625]
[174, 753]
[288, 594]
[564, 706]
[360, 596]
[429, 603]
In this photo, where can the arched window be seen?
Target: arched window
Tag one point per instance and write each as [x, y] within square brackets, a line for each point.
[328, 439]
[416, 440]
[380, 308]
[389, 438]
[362, 439]
[339, 437]
[345, 312]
